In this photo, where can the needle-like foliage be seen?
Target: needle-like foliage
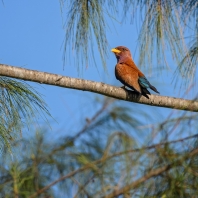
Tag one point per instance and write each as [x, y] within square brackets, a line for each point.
[113, 153]
[85, 26]
[108, 162]
[161, 30]
[19, 103]
[164, 28]
[188, 66]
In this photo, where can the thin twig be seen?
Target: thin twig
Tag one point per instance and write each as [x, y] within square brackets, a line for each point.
[152, 173]
[149, 147]
[104, 159]
[90, 121]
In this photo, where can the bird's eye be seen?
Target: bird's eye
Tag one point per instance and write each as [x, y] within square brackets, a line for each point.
[123, 49]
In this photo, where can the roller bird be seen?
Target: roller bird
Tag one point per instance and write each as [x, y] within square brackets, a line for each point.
[128, 74]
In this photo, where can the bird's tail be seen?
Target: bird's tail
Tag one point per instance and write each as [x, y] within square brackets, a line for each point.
[153, 88]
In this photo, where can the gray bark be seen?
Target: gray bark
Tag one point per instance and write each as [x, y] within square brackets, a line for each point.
[97, 87]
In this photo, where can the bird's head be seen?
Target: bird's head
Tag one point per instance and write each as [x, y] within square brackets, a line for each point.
[121, 52]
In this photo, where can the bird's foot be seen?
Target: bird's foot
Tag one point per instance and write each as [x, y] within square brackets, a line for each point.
[123, 87]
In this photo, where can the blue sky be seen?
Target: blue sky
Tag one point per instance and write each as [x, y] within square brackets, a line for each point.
[32, 37]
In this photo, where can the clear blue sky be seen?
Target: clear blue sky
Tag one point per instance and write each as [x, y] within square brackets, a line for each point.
[31, 37]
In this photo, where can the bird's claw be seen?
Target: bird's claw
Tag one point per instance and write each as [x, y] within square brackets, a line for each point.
[123, 87]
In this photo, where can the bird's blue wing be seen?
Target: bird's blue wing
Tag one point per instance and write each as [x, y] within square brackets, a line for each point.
[144, 82]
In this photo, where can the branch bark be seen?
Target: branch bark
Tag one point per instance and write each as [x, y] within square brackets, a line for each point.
[96, 87]
[152, 173]
[134, 184]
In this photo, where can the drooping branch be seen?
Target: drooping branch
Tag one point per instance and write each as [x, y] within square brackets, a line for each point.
[96, 87]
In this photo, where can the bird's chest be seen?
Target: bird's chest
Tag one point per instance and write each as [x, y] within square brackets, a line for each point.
[123, 70]
[118, 70]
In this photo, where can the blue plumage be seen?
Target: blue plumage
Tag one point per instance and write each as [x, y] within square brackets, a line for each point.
[144, 82]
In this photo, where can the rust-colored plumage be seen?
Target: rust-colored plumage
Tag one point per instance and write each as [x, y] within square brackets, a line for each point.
[127, 72]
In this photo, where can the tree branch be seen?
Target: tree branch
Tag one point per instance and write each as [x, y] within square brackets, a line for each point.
[96, 115]
[96, 87]
[154, 146]
[62, 178]
[152, 173]
[134, 184]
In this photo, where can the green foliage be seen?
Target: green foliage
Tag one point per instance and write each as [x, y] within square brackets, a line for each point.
[97, 162]
[161, 30]
[188, 65]
[165, 27]
[86, 25]
[19, 103]
[113, 152]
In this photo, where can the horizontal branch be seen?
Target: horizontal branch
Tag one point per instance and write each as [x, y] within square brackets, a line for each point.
[96, 87]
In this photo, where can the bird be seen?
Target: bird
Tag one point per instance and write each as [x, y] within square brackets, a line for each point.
[128, 73]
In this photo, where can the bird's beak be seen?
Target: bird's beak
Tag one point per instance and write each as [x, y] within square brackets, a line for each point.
[114, 50]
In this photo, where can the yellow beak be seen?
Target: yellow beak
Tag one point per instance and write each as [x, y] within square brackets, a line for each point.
[115, 50]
